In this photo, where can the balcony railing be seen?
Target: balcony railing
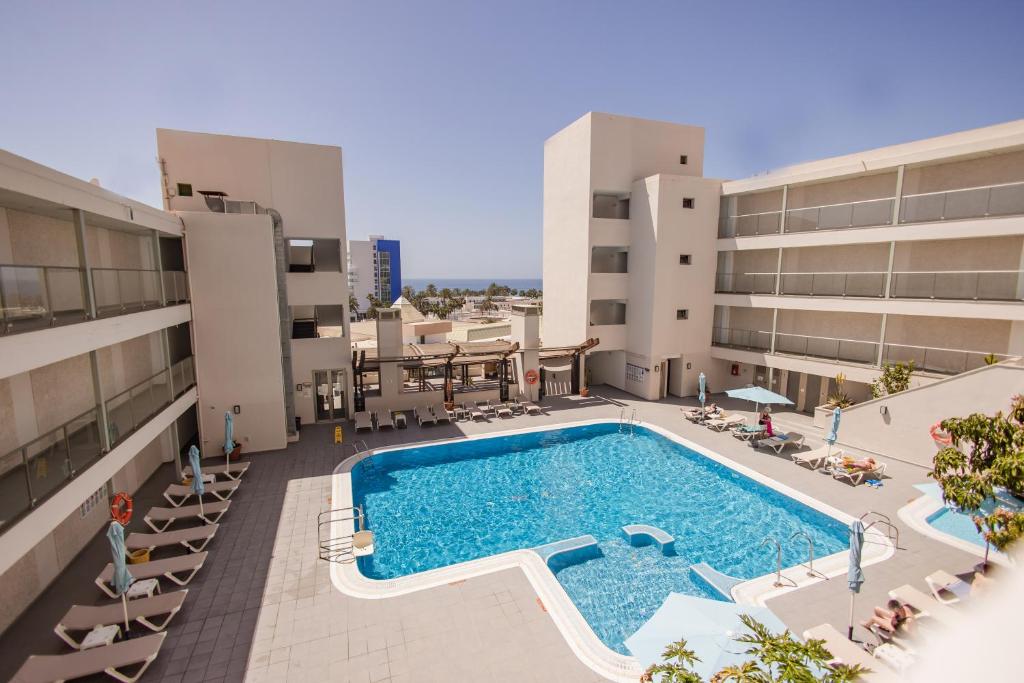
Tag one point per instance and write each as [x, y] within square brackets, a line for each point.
[745, 283]
[31, 473]
[1005, 199]
[827, 348]
[938, 360]
[36, 297]
[862, 283]
[755, 340]
[32, 297]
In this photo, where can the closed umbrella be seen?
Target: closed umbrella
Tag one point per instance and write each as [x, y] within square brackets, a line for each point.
[855, 575]
[702, 382]
[229, 433]
[833, 433]
[198, 487]
[122, 577]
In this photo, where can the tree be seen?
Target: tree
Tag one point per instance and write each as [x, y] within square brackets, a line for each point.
[894, 379]
[985, 453]
[375, 303]
[488, 304]
[775, 658]
[431, 290]
[353, 304]
[408, 292]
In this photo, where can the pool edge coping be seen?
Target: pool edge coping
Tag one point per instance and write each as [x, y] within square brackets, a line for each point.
[576, 631]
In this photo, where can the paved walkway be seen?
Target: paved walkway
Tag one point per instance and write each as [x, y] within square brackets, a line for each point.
[263, 607]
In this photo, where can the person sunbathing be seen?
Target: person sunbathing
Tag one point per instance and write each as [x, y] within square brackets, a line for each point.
[892, 618]
[865, 465]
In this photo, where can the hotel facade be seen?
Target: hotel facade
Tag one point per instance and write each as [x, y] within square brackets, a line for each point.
[913, 252]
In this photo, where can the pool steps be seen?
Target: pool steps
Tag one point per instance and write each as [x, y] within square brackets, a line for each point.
[722, 583]
[569, 551]
[644, 534]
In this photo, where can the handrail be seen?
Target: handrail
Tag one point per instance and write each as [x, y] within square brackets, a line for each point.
[49, 433]
[892, 531]
[778, 559]
[939, 348]
[758, 213]
[812, 336]
[810, 551]
[965, 189]
[830, 206]
[131, 270]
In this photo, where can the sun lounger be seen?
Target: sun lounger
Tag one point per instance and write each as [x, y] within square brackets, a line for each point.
[159, 519]
[748, 432]
[177, 494]
[384, 419]
[234, 470]
[925, 605]
[83, 618]
[423, 415]
[363, 420]
[781, 441]
[441, 413]
[946, 588]
[179, 570]
[816, 458]
[502, 410]
[722, 423]
[708, 414]
[109, 659]
[842, 649]
[529, 407]
[474, 411]
[857, 476]
[194, 538]
[487, 407]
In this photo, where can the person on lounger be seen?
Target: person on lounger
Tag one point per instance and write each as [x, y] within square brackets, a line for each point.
[865, 465]
[892, 618]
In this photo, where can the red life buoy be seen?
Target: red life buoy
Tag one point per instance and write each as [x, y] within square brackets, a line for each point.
[940, 437]
[531, 376]
[121, 508]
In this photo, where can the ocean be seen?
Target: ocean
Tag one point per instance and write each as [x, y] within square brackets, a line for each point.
[419, 283]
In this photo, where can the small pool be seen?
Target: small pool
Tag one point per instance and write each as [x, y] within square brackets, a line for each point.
[438, 505]
[959, 524]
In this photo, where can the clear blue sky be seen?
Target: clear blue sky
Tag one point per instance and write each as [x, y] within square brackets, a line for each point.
[442, 108]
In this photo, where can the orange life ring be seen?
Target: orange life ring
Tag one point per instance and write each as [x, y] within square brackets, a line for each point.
[531, 376]
[940, 437]
[121, 508]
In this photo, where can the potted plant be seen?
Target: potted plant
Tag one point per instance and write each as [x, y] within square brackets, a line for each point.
[585, 389]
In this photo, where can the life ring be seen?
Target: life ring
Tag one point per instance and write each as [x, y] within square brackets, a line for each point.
[940, 437]
[531, 376]
[121, 508]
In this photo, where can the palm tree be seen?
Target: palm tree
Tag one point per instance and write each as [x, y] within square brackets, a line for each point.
[431, 290]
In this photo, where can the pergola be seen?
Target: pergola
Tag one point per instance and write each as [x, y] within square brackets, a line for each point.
[419, 358]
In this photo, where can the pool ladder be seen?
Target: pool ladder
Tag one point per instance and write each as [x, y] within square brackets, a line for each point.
[338, 548]
[633, 419]
[810, 553]
[891, 530]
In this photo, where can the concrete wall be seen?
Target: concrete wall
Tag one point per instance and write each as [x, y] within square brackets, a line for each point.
[236, 333]
[901, 432]
[993, 169]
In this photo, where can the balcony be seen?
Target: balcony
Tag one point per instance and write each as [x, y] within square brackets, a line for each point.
[1005, 199]
[37, 297]
[826, 348]
[748, 340]
[745, 283]
[33, 472]
[938, 360]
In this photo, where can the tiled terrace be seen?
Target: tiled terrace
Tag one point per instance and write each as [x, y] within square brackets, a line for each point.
[263, 608]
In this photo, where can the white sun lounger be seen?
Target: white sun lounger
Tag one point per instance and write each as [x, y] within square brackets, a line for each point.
[423, 415]
[781, 441]
[363, 420]
[441, 413]
[817, 458]
[159, 519]
[474, 411]
[234, 470]
[179, 570]
[194, 538]
[83, 618]
[177, 494]
[843, 650]
[501, 410]
[747, 432]
[487, 407]
[384, 419]
[529, 407]
[109, 659]
[925, 605]
[856, 477]
[946, 588]
[722, 423]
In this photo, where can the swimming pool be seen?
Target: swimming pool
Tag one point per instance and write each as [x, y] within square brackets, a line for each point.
[439, 505]
[959, 524]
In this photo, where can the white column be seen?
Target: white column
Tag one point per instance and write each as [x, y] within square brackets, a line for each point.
[899, 196]
[782, 214]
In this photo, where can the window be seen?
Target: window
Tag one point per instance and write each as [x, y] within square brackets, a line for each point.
[684, 259]
[683, 159]
[184, 190]
[687, 202]
[683, 314]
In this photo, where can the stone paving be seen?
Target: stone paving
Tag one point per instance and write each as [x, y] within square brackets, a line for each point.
[263, 608]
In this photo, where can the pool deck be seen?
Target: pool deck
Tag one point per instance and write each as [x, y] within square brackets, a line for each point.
[263, 608]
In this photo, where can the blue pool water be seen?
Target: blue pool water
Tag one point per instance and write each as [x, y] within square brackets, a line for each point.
[959, 524]
[438, 505]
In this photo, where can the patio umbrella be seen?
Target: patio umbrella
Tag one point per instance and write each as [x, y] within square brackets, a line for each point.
[229, 433]
[833, 433]
[702, 382]
[854, 575]
[709, 627]
[122, 577]
[758, 395]
[198, 487]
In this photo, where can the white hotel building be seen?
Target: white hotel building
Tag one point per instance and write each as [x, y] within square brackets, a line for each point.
[109, 366]
[910, 252]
